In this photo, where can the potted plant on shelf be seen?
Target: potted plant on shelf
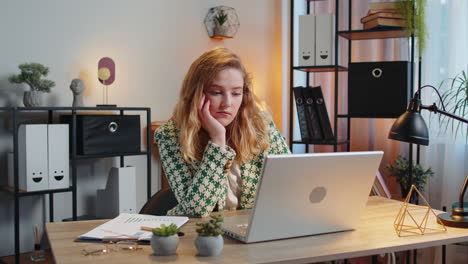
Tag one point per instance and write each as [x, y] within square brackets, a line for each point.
[400, 172]
[455, 99]
[31, 74]
[413, 11]
[210, 240]
[220, 18]
[165, 240]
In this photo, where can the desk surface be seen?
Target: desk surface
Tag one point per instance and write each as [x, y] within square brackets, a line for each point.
[375, 235]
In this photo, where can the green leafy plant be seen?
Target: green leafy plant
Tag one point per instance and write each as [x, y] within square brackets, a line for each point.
[221, 17]
[211, 227]
[455, 99]
[31, 74]
[400, 172]
[165, 231]
[414, 13]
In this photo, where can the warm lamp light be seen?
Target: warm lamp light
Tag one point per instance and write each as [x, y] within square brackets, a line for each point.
[104, 74]
[410, 127]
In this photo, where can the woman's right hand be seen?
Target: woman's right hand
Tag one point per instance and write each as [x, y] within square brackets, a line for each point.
[213, 127]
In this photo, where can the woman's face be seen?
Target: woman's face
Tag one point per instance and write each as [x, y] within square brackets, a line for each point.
[225, 94]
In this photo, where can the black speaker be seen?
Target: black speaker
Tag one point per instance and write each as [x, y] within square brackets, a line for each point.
[378, 89]
[106, 134]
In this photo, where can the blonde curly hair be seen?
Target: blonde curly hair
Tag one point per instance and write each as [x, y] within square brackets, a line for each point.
[248, 132]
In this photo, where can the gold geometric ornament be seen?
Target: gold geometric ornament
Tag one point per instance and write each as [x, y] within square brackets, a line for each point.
[416, 219]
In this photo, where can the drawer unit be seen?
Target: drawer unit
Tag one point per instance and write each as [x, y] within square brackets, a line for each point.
[106, 134]
[378, 89]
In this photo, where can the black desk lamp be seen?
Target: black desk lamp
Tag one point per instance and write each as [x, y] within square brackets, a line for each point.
[410, 127]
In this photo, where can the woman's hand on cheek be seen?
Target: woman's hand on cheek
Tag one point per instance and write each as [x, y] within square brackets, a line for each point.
[213, 127]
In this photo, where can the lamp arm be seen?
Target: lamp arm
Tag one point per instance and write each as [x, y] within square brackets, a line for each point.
[417, 95]
[433, 108]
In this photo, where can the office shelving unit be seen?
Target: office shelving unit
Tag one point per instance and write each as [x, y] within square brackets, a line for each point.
[74, 157]
[350, 35]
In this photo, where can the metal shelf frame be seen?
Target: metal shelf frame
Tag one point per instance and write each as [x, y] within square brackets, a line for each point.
[350, 35]
[74, 158]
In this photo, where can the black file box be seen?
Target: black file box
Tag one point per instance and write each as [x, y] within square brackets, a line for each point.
[378, 89]
[106, 134]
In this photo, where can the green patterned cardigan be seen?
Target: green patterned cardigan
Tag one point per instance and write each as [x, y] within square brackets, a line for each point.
[198, 187]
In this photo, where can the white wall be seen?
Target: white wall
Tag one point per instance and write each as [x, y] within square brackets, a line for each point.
[152, 42]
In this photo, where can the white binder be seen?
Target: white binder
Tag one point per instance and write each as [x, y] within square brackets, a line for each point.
[325, 39]
[32, 158]
[307, 40]
[58, 156]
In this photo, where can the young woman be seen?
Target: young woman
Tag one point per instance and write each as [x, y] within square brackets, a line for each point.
[213, 148]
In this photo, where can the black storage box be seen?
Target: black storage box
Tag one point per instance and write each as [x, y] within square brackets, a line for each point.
[105, 134]
[378, 89]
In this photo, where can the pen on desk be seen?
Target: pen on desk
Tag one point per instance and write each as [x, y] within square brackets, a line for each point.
[147, 228]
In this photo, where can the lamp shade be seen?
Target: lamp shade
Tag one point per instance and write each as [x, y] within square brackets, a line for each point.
[410, 127]
[106, 71]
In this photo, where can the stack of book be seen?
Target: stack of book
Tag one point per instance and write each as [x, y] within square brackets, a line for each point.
[383, 15]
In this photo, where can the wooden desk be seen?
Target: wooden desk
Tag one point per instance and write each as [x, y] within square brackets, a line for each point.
[375, 235]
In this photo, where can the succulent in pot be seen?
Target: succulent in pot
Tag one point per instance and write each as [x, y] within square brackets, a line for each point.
[165, 240]
[210, 240]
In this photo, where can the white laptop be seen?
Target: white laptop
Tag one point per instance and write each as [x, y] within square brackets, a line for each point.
[307, 194]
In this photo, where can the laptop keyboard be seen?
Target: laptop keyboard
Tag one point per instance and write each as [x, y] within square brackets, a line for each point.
[237, 226]
[243, 226]
[240, 231]
[243, 229]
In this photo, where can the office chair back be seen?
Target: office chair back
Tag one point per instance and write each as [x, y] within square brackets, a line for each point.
[160, 202]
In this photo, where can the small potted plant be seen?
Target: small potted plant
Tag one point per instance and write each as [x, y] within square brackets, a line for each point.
[400, 172]
[31, 74]
[165, 240]
[220, 18]
[210, 240]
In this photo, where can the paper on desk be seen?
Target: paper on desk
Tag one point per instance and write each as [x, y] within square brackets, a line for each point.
[127, 226]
